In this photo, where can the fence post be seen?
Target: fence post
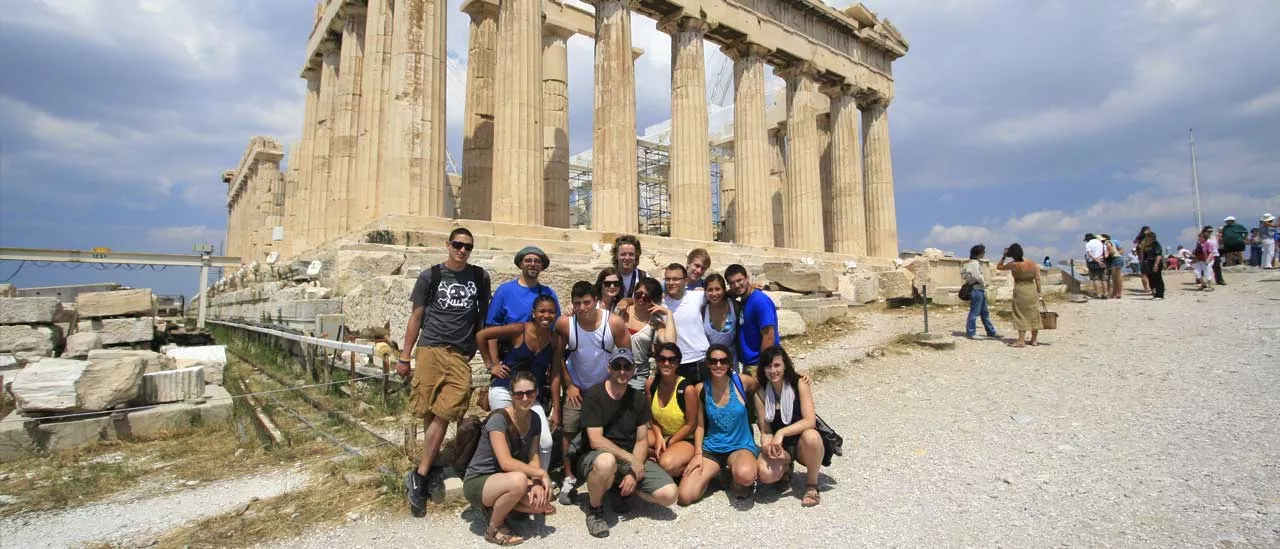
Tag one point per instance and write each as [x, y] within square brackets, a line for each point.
[351, 382]
[924, 291]
[386, 375]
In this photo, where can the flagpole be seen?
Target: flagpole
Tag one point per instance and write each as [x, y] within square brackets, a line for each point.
[1195, 179]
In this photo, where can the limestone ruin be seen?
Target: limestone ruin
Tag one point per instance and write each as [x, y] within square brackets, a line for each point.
[372, 154]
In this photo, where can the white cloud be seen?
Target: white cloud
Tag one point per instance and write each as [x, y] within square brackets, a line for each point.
[182, 238]
[1263, 104]
[958, 234]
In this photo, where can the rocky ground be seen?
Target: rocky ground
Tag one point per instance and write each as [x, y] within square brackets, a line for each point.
[1139, 422]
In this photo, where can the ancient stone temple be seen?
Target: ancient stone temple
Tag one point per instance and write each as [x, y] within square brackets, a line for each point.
[372, 153]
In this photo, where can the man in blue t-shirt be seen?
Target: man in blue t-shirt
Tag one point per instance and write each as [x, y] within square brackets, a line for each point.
[759, 328]
[512, 302]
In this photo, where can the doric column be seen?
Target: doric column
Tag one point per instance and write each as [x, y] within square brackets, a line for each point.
[614, 195]
[413, 145]
[232, 245]
[288, 218]
[802, 204]
[517, 140]
[848, 212]
[321, 164]
[777, 181]
[273, 186]
[824, 163]
[882, 219]
[690, 175]
[346, 192]
[301, 208]
[478, 118]
[365, 195]
[555, 126]
[728, 201]
[753, 223]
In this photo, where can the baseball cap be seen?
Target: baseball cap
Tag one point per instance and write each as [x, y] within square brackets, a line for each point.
[1088, 237]
[622, 355]
[1230, 218]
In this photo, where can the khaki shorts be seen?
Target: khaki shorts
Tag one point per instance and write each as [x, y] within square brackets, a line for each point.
[441, 385]
[571, 418]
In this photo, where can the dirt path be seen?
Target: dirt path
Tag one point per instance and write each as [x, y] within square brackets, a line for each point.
[1140, 422]
[118, 522]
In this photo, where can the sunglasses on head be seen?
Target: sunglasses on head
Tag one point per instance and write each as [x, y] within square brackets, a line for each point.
[460, 245]
[524, 394]
[665, 358]
[621, 366]
[718, 360]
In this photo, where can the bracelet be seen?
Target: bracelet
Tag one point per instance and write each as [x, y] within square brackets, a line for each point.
[402, 361]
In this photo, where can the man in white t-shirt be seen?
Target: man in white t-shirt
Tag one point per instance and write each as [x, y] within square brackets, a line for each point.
[1095, 255]
[686, 310]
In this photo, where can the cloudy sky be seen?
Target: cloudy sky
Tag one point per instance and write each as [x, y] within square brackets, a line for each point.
[1014, 120]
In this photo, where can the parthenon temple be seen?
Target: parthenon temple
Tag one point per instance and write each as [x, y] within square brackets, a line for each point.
[815, 176]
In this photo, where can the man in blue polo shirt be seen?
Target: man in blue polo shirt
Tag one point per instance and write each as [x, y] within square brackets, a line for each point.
[759, 329]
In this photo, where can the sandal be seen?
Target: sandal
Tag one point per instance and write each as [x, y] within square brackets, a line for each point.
[502, 536]
[812, 496]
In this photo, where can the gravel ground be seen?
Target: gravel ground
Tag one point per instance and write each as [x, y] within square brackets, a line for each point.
[124, 522]
[1138, 423]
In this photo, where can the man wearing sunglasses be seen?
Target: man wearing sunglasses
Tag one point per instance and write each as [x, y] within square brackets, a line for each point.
[449, 302]
[617, 417]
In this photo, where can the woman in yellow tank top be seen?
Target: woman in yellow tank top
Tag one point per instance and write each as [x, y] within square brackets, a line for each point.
[674, 406]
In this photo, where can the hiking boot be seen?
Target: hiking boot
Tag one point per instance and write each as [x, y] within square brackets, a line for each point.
[597, 526]
[568, 491]
[435, 484]
[415, 489]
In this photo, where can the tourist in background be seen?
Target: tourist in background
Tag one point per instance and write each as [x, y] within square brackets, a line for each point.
[591, 335]
[697, 263]
[788, 426]
[450, 302]
[1137, 245]
[649, 324]
[1133, 264]
[506, 473]
[1234, 241]
[1152, 265]
[1217, 238]
[759, 328]
[1267, 234]
[674, 405]
[1026, 294]
[971, 274]
[626, 255]
[1095, 254]
[719, 314]
[723, 438]
[1255, 248]
[1115, 268]
[1174, 262]
[1203, 256]
[1046, 263]
[609, 288]
[686, 310]
[530, 349]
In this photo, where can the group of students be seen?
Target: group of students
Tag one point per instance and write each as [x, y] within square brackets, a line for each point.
[644, 381]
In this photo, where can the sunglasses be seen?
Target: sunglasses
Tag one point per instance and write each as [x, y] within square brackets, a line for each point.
[459, 245]
[718, 361]
[665, 358]
[641, 296]
[611, 284]
[621, 366]
[524, 394]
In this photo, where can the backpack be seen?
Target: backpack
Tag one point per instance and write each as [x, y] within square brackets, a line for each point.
[678, 395]
[572, 345]
[966, 291]
[470, 429]
[482, 290]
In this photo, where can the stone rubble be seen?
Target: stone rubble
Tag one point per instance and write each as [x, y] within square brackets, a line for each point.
[213, 358]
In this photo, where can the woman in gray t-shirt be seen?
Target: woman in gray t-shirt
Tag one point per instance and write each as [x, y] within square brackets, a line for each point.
[505, 474]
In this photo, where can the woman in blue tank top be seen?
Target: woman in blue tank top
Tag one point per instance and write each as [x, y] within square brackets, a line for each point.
[532, 344]
[723, 438]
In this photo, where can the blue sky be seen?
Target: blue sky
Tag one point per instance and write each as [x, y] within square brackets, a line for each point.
[1028, 121]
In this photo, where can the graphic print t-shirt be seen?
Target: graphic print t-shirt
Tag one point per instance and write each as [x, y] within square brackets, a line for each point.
[450, 318]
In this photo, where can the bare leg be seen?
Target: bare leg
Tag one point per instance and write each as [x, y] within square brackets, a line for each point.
[1021, 342]
[809, 454]
[1034, 333]
[694, 485]
[433, 437]
[770, 470]
[601, 478]
[502, 492]
[677, 456]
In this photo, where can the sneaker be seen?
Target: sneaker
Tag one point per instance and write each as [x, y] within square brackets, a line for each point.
[597, 526]
[415, 488]
[974, 337]
[435, 484]
[567, 491]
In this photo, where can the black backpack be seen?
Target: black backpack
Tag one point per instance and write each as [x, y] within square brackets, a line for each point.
[679, 394]
[471, 428]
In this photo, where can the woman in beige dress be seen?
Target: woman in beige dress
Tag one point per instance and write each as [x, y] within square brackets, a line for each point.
[1026, 293]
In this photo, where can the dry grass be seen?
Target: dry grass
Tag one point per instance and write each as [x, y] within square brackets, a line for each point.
[820, 335]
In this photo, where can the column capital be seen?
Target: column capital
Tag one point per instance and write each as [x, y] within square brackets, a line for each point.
[743, 49]
[780, 129]
[839, 90]
[872, 98]
[479, 9]
[352, 10]
[330, 46]
[679, 22]
[800, 68]
[557, 31]
[628, 3]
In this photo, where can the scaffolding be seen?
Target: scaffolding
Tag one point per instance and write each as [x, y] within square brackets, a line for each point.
[653, 168]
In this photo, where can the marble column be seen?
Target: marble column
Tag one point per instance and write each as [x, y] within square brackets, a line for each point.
[321, 163]
[365, 195]
[802, 205]
[555, 126]
[753, 220]
[728, 201]
[346, 191]
[690, 175]
[478, 116]
[848, 212]
[824, 163]
[882, 221]
[517, 138]
[614, 194]
[288, 217]
[413, 144]
[301, 234]
[777, 181]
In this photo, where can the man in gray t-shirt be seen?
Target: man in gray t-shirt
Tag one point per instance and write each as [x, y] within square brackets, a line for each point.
[449, 302]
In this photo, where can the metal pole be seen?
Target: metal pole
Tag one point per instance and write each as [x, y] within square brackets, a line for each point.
[1195, 179]
[924, 289]
[204, 288]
